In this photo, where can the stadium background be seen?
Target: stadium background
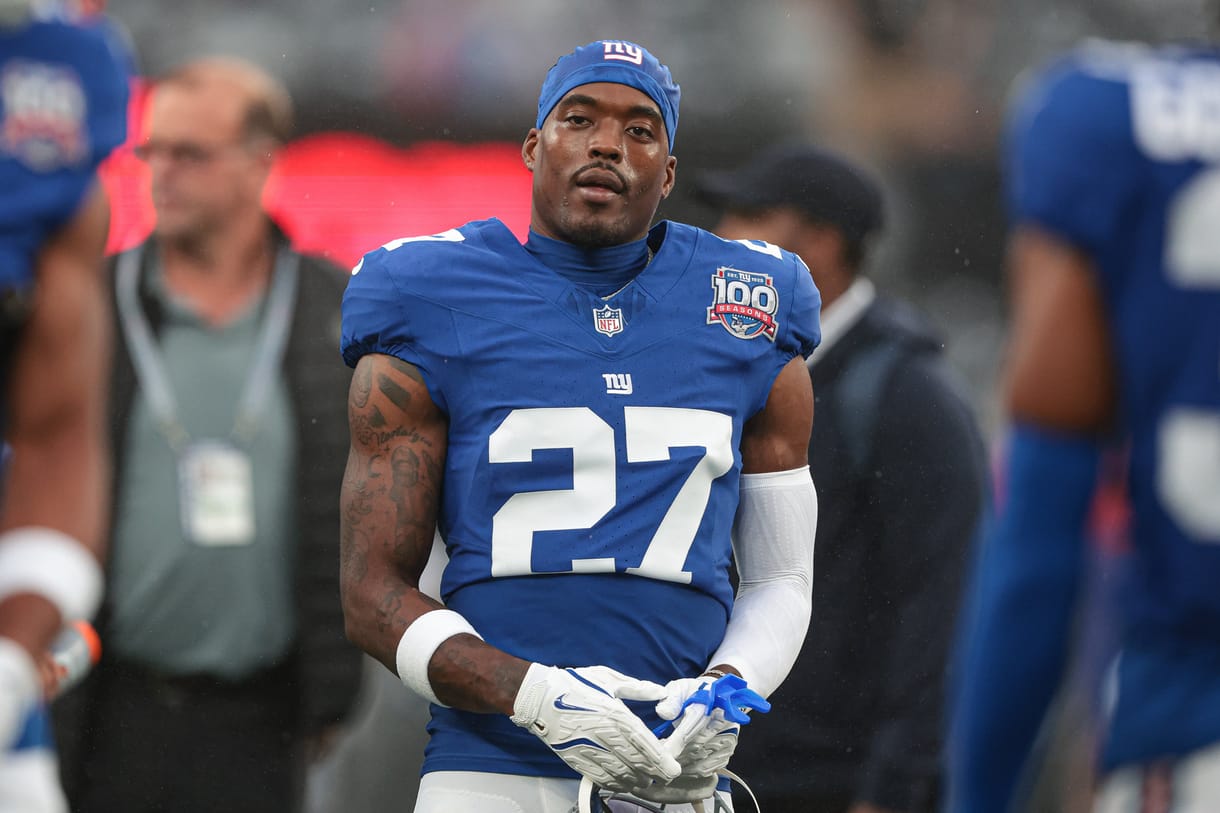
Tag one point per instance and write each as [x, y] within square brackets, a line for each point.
[410, 112]
[410, 115]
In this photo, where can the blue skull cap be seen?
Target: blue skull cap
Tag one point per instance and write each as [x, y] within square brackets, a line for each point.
[617, 61]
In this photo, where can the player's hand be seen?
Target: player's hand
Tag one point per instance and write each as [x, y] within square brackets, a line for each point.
[707, 714]
[702, 739]
[580, 715]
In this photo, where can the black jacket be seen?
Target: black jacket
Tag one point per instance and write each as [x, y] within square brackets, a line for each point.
[326, 667]
[898, 462]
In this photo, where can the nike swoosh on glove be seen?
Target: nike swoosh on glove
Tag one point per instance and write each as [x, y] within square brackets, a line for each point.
[579, 714]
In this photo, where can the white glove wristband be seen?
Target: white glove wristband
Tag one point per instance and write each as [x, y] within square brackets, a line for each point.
[419, 643]
[53, 565]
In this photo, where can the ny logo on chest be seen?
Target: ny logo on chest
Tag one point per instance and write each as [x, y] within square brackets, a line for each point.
[618, 383]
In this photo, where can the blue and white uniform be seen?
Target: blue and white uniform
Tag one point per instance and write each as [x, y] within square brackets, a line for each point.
[63, 108]
[593, 459]
[1114, 150]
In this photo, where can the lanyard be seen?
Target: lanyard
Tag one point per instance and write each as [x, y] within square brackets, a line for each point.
[150, 367]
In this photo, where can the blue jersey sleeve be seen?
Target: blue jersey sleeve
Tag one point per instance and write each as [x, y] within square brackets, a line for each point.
[1018, 614]
[63, 109]
[107, 77]
[767, 267]
[1071, 162]
[372, 319]
[804, 331]
[382, 314]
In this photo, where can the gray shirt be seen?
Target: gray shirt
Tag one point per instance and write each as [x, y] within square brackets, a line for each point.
[182, 607]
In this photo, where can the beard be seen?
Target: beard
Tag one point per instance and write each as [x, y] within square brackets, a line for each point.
[593, 229]
[598, 234]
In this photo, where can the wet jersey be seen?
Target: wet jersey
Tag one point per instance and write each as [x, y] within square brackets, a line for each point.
[1115, 150]
[63, 108]
[593, 459]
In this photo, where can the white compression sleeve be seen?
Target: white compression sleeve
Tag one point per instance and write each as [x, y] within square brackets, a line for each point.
[773, 543]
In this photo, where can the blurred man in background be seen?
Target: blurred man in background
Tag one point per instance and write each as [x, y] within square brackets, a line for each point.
[901, 474]
[63, 108]
[225, 657]
[1115, 262]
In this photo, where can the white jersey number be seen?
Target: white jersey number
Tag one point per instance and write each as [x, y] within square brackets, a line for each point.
[651, 432]
[1188, 472]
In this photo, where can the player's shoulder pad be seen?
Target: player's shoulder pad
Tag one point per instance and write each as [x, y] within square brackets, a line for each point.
[1079, 97]
[759, 256]
[800, 300]
[756, 255]
[378, 314]
[69, 74]
[427, 254]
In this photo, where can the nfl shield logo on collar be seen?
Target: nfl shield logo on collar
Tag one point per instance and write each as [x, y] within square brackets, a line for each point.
[608, 320]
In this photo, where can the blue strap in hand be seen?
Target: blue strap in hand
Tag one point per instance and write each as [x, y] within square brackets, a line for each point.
[729, 694]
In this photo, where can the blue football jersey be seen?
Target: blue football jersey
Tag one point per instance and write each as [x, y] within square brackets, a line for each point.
[63, 108]
[1114, 149]
[593, 463]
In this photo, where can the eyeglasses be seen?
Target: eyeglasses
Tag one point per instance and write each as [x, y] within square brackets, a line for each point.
[185, 153]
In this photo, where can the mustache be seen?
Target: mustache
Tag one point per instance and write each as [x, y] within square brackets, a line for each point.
[602, 167]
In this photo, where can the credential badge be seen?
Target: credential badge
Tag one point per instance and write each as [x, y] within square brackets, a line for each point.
[608, 320]
[744, 302]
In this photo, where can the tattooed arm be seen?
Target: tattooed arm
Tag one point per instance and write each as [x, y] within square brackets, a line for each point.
[389, 504]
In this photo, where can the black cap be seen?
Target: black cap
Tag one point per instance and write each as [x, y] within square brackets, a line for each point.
[824, 186]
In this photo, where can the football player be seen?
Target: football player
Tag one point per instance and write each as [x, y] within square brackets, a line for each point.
[1114, 188]
[63, 107]
[588, 419]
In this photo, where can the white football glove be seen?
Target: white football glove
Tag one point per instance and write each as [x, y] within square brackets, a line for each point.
[703, 739]
[686, 789]
[580, 715]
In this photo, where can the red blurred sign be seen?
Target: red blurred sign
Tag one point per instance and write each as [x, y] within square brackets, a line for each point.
[342, 194]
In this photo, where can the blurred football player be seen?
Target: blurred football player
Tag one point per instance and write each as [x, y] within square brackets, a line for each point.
[63, 97]
[586, 418]
[1115, 254]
